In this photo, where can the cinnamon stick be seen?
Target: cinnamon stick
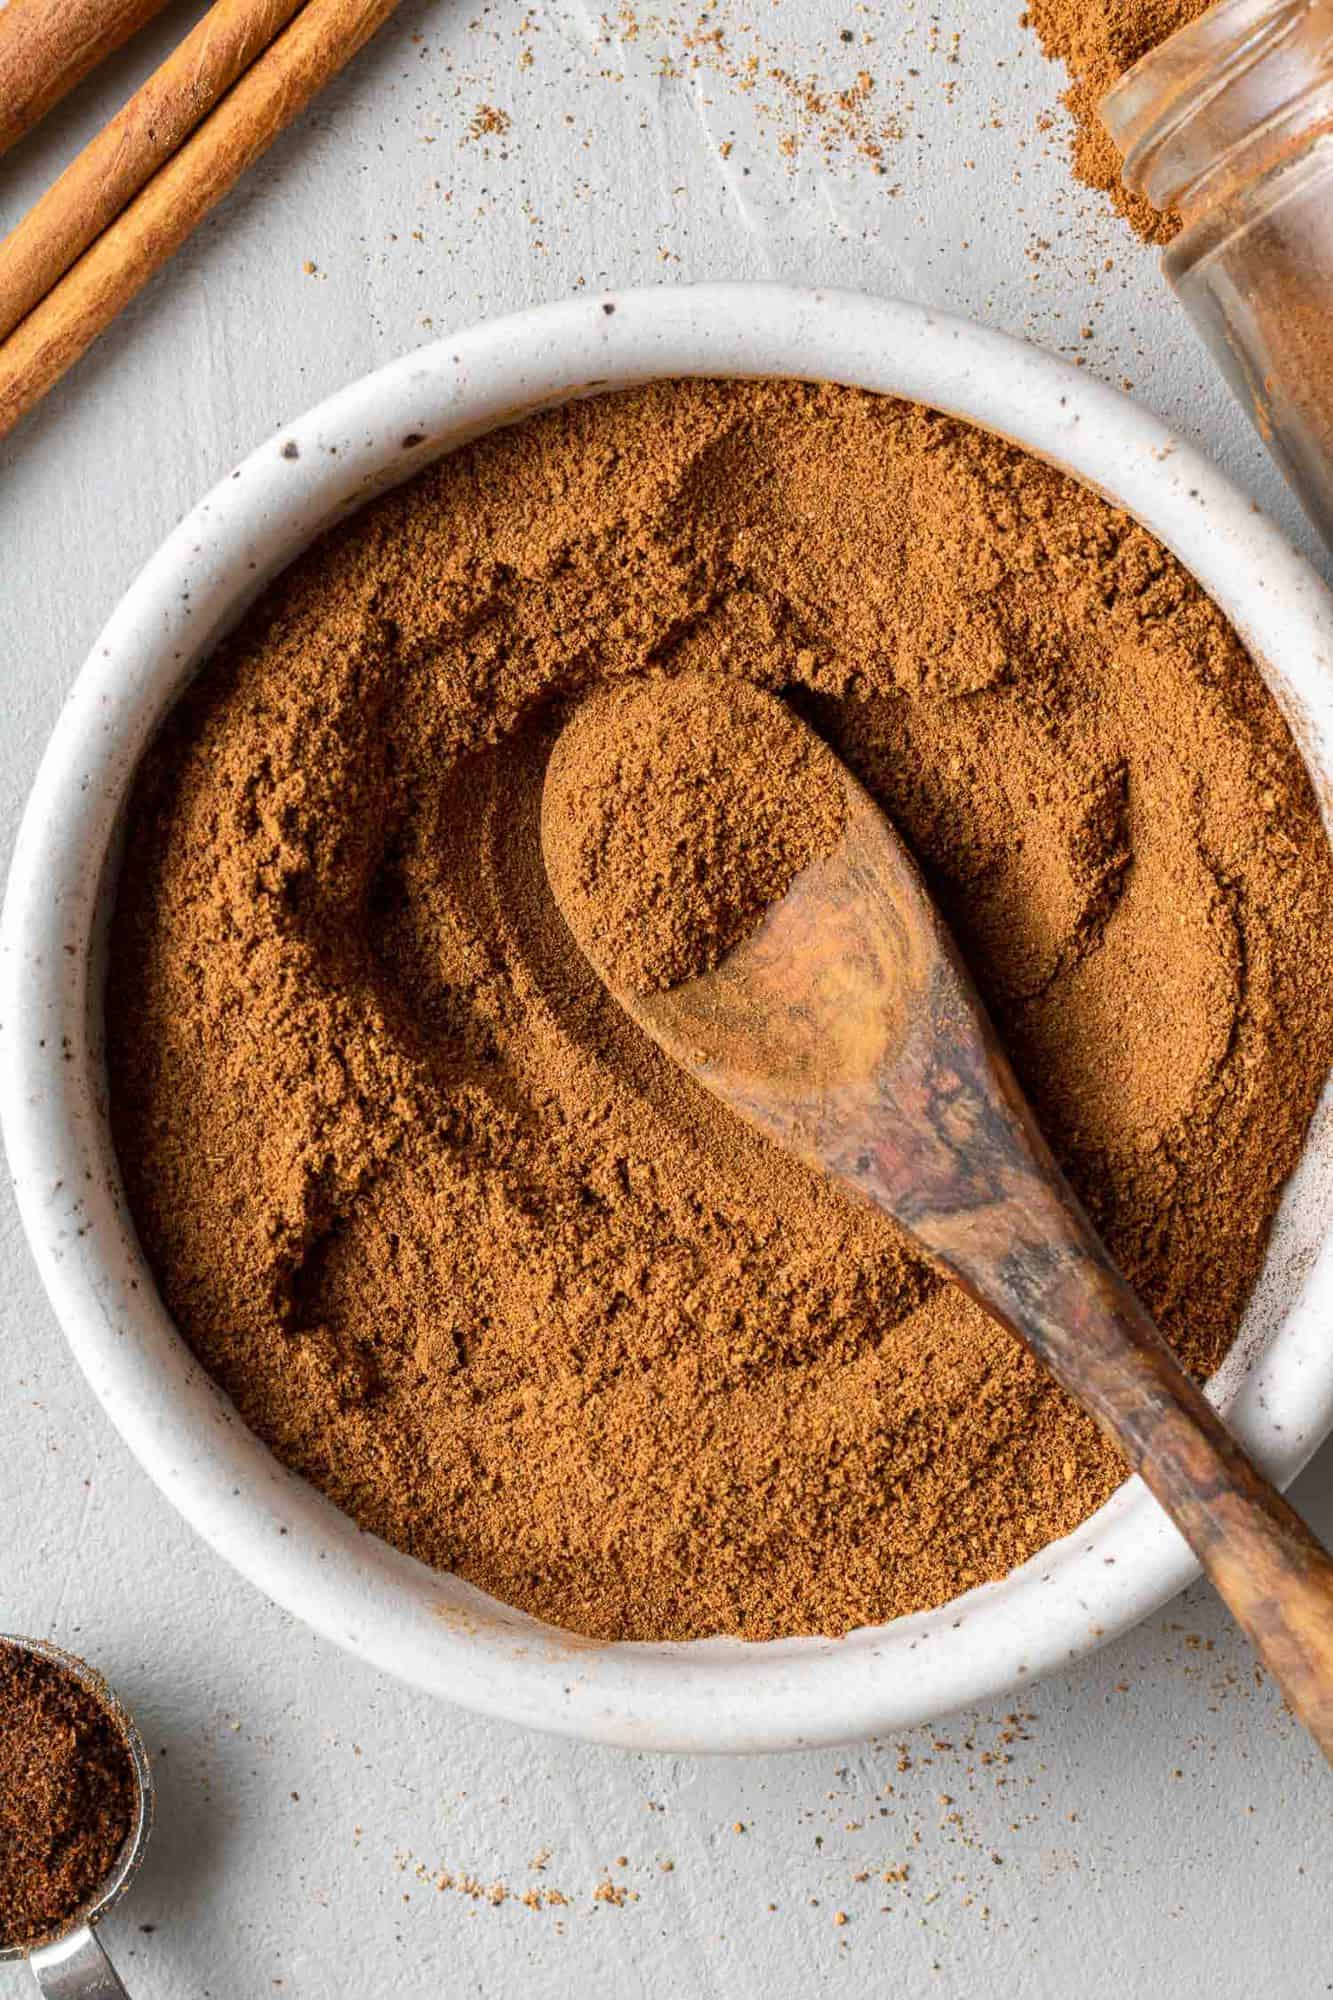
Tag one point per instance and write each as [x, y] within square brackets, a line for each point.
[324, 36]
[47, 46]
[109, 171]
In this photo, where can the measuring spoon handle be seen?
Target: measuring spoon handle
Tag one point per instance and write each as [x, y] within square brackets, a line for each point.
[76, 1968]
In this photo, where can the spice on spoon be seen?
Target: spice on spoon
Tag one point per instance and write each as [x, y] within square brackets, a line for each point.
[674, 813]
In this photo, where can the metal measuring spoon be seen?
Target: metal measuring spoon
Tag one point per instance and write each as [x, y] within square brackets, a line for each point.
[72, 1965]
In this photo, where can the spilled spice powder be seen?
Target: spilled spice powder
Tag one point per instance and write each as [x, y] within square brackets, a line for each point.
[674, 812]
[67, 1796]
[460, 1243]
[843, 110]
[1097, 41]
[489, 121]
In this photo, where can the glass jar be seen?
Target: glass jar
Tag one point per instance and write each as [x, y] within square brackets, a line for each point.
[1229, 122]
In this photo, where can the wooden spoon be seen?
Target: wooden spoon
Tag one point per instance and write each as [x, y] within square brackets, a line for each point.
[848, 1030]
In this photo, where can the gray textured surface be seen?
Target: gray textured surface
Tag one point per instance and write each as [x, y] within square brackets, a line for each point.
[1153, 1822]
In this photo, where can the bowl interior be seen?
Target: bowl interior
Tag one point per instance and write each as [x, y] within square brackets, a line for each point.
[432, 1629]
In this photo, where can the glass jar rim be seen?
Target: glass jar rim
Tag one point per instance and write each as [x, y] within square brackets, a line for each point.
[1234, 82]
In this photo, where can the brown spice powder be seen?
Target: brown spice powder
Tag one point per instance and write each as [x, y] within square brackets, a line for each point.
[67, 1796]
[673, 813]
[1098, 40]
[460, 1243]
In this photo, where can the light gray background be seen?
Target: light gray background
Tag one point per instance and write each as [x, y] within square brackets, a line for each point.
[1160, 1824]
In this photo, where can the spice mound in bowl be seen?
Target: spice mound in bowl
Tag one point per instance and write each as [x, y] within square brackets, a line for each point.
[458, 1242]
[68, 1797]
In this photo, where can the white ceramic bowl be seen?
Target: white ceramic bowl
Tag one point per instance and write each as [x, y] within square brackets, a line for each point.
[434, 1630]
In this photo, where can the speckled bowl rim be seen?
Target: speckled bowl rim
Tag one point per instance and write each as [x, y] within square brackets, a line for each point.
[436, 1631]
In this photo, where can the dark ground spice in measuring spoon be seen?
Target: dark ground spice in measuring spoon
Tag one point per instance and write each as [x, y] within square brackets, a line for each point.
[68, 1796]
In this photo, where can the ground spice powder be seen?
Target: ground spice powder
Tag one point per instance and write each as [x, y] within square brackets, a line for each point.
[674, 812]
[1097, 41]
[460, 1243]
[67, 1796]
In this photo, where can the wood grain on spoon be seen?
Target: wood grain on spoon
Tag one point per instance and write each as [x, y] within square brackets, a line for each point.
[847, 1029]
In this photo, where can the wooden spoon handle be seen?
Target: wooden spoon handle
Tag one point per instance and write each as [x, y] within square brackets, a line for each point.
[847, 1029]
[964, 1165]
[1095, 1337]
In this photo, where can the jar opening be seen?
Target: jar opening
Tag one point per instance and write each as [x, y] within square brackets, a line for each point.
[1220, 100]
